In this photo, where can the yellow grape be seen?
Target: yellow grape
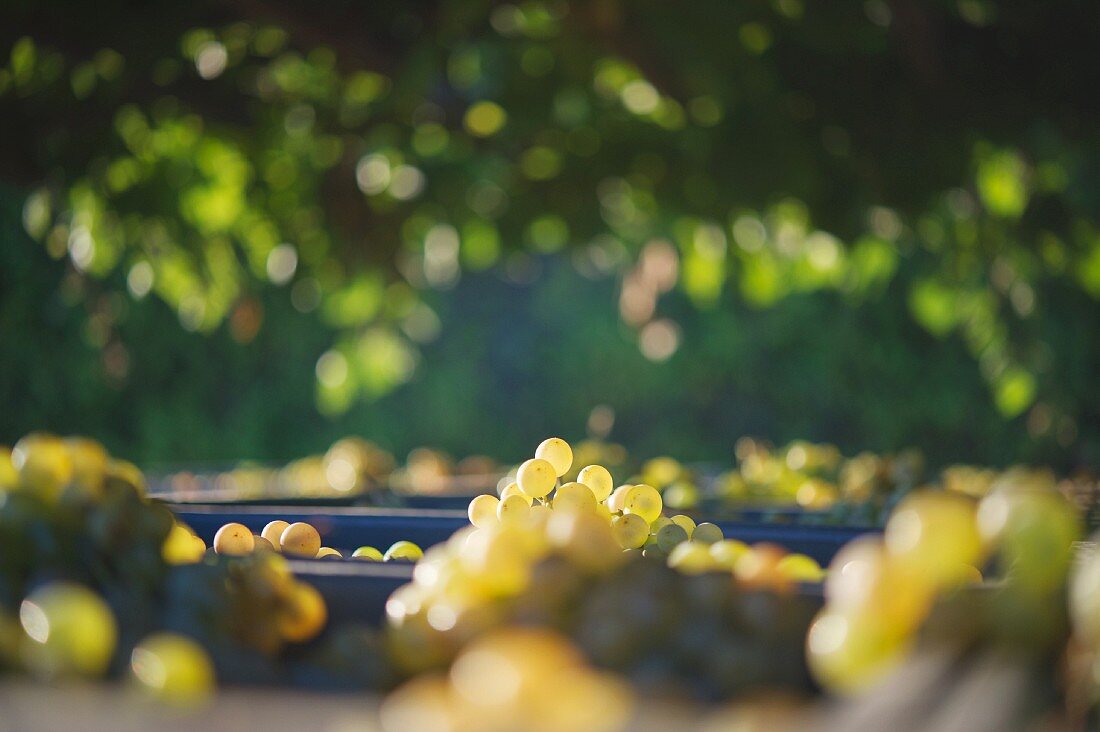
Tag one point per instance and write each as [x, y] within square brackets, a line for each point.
[800, 568]
[261, 544]
[725, 553]
[557, 452]
[173, 669]
[617, 500]
[847, 655]
[273, 531]
[584, 538]
[89, 461]
[536, 477]
[598, 480]
[863, 578]
[659, 523]
[234, 540]
[483, 510]
[931, 533]
[180, 546]
[684, 522]
[575, 497]
[645, 501]
[630, 530]
[513, 489]
[43, 463]
[327, 551]
[304, 614]
[513, 510]
[403, 550]
[691, 557]
[9, 477]
[72, 631]
[367, 554]
[300, 540]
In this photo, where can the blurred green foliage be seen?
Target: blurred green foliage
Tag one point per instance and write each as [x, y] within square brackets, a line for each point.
[874, 223]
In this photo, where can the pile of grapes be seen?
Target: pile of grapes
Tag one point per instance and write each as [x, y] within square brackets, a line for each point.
[298, 540]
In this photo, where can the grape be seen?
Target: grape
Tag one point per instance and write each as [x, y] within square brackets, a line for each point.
[483, 510]
[536, 477]
[661, 471]
[43, 463]
[659, 523]
[707, 533]
[616, 502]
[403, 550]
[645, 501]
[800, 568]
[273, 533]
[512, 489]
[303, 615]
[684, 522]
[180, 546]
[72, 630]
[367, 554]
[681, 495]
[725, 553]
[173, 669]
[89, 461]
[557, 452]
[863, 576]
[327, 552]
[691, 557]
[585, 539]
[575, 497]
[234, 540]
[931, 533]
[598, 480]
[300, 540]
[759, 566]
[847, 654]
[261, 544]
[630, 530]
[1034, 530]
[670, 536]
[513, 510]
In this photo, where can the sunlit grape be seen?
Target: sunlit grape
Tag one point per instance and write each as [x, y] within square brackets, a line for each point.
[1034, 531]
[483, 510]
[800, 568]
[931, 533]
[630, 530]
[691, 557]
[513, 489]
[574, 497]
[180, 547]
[684, 522]
[43, 463]
[557, 452]
[367, 554]
[536, 477]
[300, 540]
[513, 510]
[234, 540]
[327, 552]
[598, 480]
[405, 550]
[645, 501]
[173, 669]
[847, 655]
[71, 629]
[759, 566]
[726, 553]
[303, 615]
[273, 533]
[616, 502]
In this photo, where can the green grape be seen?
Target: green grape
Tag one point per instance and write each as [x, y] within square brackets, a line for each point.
[1034, 530]
[261, 544]
[658, 524]
[670, 536]
[645, 501]
[575, 497]
[367, 554]
[557, 452]
[72, 630]
[483, 510]
[512, 489]
[327, 552]
[513, 511]
[403, 550]
[630, 530]
[707, 533]
[234, 540]
[684, 522]
[598, 480]
[931, 533]
[536, 477]
[173, 669]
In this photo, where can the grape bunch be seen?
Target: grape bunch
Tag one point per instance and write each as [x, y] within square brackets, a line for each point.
[915, 586]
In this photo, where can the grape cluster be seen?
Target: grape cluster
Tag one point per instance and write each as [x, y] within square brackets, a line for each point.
[884, 596]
